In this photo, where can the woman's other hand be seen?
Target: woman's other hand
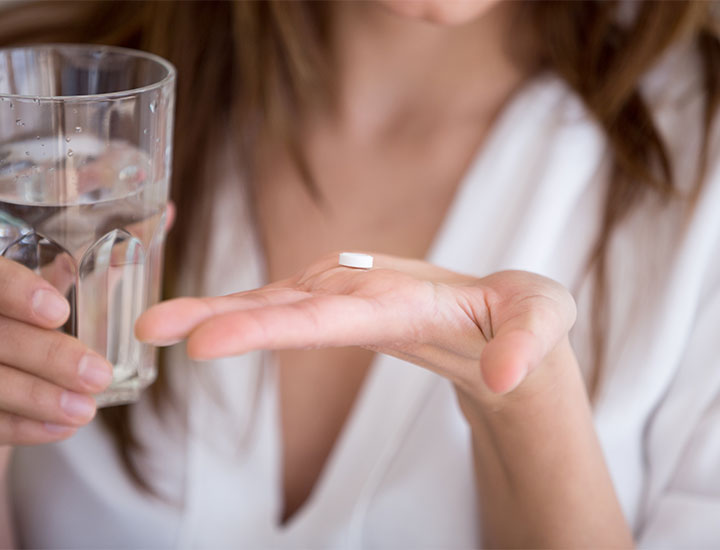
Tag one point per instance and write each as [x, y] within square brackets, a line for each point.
[47, 378]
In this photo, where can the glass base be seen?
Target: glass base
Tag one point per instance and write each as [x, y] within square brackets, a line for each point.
[118, 396]
[123, 393]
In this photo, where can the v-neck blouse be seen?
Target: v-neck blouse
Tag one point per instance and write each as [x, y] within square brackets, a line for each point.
[401, 474]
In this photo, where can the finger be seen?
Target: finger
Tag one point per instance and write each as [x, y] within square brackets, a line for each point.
[60, 273]
[522, 341]
[171, 321]
[323, 321]
[17, 430]
[170, 212]
[53, 356]
[27, 297]
[31, 397]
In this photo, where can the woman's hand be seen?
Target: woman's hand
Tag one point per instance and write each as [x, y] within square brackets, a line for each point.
[482, 334]
[46, 378]
[542, 481]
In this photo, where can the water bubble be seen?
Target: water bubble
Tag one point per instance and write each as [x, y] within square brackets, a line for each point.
[70, 152]
[19, 122]
[145, 131]
[78, 129]
[74, 111]
[37, 137]
[11, 105]
[51, 169]
[67, 139]
[153, 106]
[157, 140]
[36, 100]
[27, 153]
[128, 173]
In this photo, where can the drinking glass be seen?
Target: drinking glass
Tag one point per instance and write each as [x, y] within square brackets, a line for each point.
[85, 155]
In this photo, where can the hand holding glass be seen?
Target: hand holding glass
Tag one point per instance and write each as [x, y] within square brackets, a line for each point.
[85, 155]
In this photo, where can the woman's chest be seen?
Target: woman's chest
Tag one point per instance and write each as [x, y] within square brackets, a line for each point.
[388, 196]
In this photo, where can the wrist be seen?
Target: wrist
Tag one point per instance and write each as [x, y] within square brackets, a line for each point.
[556, 376]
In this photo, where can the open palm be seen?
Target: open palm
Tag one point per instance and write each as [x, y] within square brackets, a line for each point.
[478, 332]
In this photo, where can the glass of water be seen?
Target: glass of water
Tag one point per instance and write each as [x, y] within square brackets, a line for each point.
[85, 155]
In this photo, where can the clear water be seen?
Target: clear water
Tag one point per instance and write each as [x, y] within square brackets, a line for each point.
[89, 218]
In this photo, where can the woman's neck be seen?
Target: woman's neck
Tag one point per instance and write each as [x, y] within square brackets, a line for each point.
[390, 68]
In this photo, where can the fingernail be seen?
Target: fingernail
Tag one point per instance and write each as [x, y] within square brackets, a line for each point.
[57, 428]
[78, 406]
[51, 306]
[164, 343]
[95, 371]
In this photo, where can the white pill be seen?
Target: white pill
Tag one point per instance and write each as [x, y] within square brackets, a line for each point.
[353, 259]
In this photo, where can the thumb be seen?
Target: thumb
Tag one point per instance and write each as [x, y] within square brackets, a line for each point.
[530, 330]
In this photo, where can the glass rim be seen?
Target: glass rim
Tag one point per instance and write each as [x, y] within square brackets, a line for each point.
[130, 52]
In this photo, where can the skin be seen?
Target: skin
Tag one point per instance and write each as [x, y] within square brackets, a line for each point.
[501, 339]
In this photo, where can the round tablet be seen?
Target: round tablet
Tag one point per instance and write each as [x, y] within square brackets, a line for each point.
[353, 259]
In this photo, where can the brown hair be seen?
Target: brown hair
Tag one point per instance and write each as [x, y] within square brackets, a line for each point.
[276, 55]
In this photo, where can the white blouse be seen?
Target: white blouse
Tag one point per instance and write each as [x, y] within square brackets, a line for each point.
[400, 474]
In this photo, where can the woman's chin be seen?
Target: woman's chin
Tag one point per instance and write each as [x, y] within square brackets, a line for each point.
[440, 12]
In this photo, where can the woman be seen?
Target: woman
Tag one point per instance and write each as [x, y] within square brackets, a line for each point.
[571, 141]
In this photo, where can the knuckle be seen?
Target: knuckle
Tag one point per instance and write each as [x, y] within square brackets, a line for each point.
[14, 428]
[36, 394]
[18, 430]
[13, 341]
[14, 276]
[54, 348]
[69, 352]
[6, 279]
